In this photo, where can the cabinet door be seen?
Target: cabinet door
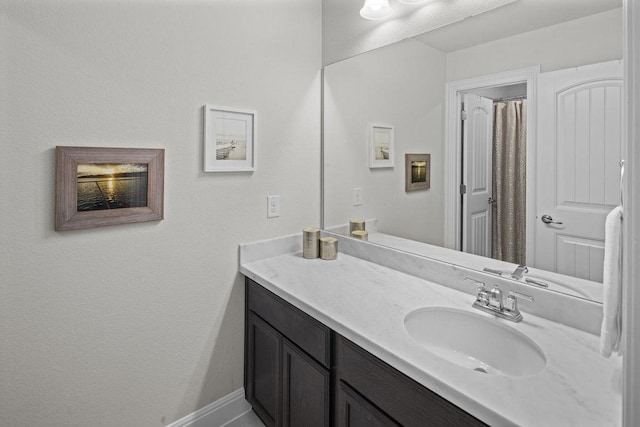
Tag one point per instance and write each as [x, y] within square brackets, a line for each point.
[355, 411]
[264, 370]
[305, 386]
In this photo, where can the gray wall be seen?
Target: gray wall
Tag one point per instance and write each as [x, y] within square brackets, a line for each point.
[139, 325]
[400, 85]
[588, 40]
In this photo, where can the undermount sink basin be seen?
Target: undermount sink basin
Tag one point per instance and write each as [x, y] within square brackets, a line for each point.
[475, 342]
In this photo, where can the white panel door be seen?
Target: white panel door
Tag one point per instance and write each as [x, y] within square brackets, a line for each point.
[579, 149]
[477, 134]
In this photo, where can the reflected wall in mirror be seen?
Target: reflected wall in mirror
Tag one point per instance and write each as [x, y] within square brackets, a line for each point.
[405, 84]
[402, 84]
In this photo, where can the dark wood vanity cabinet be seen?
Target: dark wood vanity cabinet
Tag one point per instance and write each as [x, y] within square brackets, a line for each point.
[299, 373]
[287, 375]
[390, 392]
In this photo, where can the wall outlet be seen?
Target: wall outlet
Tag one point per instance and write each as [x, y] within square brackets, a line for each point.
[357, 196]
[273, 206]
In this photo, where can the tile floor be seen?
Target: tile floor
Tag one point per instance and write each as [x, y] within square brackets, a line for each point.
[250, 419]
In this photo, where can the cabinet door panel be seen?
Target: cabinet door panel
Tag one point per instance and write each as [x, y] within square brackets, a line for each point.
[305, 389]
[264, 370]
[355, 411]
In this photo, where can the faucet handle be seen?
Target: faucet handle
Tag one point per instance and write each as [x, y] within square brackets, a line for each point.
[521, 295]
[512, 301]
[519, 271]
[492, 271]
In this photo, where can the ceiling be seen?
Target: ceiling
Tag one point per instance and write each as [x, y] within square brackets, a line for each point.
[514, 18]
[345, 33]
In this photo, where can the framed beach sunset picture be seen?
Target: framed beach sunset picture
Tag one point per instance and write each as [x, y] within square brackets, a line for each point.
[107, 186]
[417, 172]
[229, 139]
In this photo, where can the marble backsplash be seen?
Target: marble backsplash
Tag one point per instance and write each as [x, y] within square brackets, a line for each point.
[574, 312]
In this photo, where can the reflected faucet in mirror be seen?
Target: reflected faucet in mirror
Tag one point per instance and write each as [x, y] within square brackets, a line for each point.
[519, 271]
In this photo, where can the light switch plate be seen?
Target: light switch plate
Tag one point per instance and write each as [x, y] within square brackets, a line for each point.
[357, 196]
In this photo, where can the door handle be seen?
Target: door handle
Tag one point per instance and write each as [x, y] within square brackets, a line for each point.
[547, 219]
[491, 201]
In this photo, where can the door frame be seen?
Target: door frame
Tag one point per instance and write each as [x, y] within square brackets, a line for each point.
[453, 149]
[631, 222]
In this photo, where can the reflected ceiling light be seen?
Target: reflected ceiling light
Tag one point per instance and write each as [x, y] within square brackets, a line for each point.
[412, 1]
[376, 9]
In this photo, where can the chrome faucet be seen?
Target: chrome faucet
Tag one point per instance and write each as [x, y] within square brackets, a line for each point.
[495, 299]
[490, 301]
[519, 271]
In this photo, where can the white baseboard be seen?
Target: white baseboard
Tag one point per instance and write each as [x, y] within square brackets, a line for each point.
[218, 413]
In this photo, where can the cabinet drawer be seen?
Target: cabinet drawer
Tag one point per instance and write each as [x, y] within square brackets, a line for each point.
[402, 398]
[310, 335]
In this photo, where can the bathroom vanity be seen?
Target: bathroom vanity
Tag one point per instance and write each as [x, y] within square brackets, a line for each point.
[291, 357]
[328, 343]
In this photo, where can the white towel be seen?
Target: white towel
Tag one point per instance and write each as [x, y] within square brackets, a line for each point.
[611, 331]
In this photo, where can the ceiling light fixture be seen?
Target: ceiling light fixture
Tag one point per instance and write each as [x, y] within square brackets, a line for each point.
[376, 9]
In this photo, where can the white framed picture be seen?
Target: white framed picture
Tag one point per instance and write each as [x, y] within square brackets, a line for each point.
[229, 139]
[381, 146]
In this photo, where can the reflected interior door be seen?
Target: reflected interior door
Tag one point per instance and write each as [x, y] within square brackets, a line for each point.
[477, 134]
[579, 148]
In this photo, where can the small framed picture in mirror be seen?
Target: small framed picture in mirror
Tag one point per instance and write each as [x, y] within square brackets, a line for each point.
[381, 146]
[417, 172]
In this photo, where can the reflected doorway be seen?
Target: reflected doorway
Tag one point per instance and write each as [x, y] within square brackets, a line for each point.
[498, 86]
[494, 158]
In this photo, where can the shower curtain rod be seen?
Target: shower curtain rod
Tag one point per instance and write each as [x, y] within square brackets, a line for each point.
[510, 98]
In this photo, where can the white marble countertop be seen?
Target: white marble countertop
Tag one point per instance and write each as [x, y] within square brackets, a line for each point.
[367, 303]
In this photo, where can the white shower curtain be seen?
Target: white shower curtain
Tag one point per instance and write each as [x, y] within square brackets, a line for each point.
[509, 181]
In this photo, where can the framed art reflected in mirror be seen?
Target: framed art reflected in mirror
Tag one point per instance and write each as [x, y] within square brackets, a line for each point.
[381, 146]
[417, 174]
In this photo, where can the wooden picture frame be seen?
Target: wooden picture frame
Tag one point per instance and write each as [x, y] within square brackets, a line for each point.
[98, 186]
[417, 174]
[381, 143]
[229, 139]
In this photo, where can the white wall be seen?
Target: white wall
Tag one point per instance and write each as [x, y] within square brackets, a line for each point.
[400, 85]
[595, 38]
[139, 325]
